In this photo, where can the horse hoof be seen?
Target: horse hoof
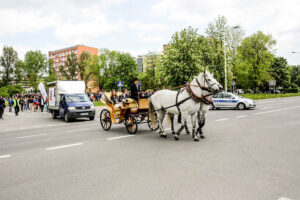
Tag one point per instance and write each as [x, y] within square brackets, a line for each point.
[176, 137]
[202, 136]
[163, 136]
[196, 139]
[188, 133]
[173, 133]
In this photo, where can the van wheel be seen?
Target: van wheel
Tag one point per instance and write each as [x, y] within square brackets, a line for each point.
[67, 118]
[54, 115]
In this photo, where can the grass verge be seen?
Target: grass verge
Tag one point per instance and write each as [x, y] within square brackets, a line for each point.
[269, 96]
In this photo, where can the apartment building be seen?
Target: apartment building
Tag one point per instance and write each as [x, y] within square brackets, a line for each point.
[59, 56]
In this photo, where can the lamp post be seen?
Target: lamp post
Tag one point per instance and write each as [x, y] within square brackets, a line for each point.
[225, 67]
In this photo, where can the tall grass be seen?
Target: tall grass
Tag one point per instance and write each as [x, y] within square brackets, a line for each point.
[268, 96]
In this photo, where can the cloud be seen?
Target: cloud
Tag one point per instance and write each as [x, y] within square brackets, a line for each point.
[280, 18]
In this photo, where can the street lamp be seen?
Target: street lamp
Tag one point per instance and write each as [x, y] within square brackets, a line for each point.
[225, 68]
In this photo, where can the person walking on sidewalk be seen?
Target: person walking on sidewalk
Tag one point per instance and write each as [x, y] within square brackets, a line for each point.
[2, 106]
[16, 104]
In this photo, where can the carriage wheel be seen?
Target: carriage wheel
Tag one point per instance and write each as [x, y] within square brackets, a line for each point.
[131, 124]
[156, 125]
[105, 119]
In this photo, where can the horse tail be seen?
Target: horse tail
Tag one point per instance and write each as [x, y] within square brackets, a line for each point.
[151, 113]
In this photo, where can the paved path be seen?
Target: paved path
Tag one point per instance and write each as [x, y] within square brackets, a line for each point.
[251, 154]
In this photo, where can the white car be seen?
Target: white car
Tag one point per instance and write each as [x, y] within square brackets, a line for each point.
[230, 100]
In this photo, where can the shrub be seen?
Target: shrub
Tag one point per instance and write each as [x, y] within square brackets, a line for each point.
[291, 90]
[249, 91]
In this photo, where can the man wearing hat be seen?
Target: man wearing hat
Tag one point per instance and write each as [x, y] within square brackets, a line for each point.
[135, 89]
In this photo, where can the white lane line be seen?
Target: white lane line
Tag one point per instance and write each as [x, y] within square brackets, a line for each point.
[218, 120]
[64, 146]
[284, 198]
[241, 116]
[120, 137]
[5, 156]
[267, 107]
[270, 111]
[29, 136]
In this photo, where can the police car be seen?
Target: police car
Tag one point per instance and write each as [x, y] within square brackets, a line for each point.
[230, 100]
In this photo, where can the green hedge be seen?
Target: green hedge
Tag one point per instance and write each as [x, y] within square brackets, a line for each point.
[10, 90]
[268, 96]
[291, 90]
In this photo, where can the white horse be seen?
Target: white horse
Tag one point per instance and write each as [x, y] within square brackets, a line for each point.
[187, 101]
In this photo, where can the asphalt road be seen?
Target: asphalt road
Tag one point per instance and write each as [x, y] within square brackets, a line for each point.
[251, 154]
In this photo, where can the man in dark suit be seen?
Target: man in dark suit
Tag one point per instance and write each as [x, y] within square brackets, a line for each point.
[135, 89]
[2, 106]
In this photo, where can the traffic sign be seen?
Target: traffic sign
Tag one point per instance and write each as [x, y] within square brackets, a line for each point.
[120, 83]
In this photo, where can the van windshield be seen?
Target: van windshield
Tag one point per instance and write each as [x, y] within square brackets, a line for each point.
[77, 98]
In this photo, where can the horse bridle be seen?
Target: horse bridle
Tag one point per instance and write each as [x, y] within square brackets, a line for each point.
[203, 98]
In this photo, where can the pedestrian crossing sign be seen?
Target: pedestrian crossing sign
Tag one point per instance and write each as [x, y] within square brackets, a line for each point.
[120, 83]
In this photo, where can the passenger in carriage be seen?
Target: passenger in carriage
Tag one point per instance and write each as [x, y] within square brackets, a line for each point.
[124, 95]
[114, 98]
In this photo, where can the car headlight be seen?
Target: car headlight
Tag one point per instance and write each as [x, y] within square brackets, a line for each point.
[92, 107]
[71, 108]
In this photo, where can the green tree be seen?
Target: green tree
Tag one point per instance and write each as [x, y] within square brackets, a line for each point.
[35, 67]
[19, 72]
[51, 74]
[279, 71]
[183, 57]
[8, 61]
[219, 32]
[85, 67]
[116, 66]
[295, 74]
[70, 70]
[255, 58]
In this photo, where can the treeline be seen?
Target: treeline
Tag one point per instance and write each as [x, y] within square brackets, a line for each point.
[251, 63]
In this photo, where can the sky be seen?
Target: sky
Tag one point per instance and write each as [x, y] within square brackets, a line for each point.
[139, 26]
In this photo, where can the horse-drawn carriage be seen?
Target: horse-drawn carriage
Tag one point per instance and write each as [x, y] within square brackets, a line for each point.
[130, 114]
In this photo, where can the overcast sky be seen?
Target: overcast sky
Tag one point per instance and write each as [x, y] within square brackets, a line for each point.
[138, 26]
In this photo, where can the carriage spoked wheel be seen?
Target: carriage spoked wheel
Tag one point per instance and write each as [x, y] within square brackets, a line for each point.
[105, 119]
[156, 126]
[131, 124]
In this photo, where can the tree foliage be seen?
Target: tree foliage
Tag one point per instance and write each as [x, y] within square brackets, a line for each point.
[183, 58]
[35, 66]
[70, 69]
[255, 58]
[279, 71]
[8, 60]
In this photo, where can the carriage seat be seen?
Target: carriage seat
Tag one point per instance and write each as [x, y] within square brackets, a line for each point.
[131, 102]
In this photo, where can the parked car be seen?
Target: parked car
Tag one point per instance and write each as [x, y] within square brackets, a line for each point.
[239, 91]
[230, 100]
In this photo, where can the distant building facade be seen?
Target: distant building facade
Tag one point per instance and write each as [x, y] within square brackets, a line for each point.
[59, 57]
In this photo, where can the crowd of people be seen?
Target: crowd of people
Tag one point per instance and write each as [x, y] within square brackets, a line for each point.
[23, 103]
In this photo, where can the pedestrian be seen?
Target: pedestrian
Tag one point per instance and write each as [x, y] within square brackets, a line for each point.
[26, 103]
[16, 104]
[30, 103]
[35, 103]
[2, 106]
[41, 103]
[10, 104]
[22, 103]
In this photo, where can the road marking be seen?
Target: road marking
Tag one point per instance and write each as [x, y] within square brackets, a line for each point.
[218, 120]
[29, 136]
[241, 116]
[267, 107]
[284, 198]
[120, 137]
[5, 156]
[64, 146]
[270, 111]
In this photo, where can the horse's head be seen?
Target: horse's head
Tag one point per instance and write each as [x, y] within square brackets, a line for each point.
[208, 81]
